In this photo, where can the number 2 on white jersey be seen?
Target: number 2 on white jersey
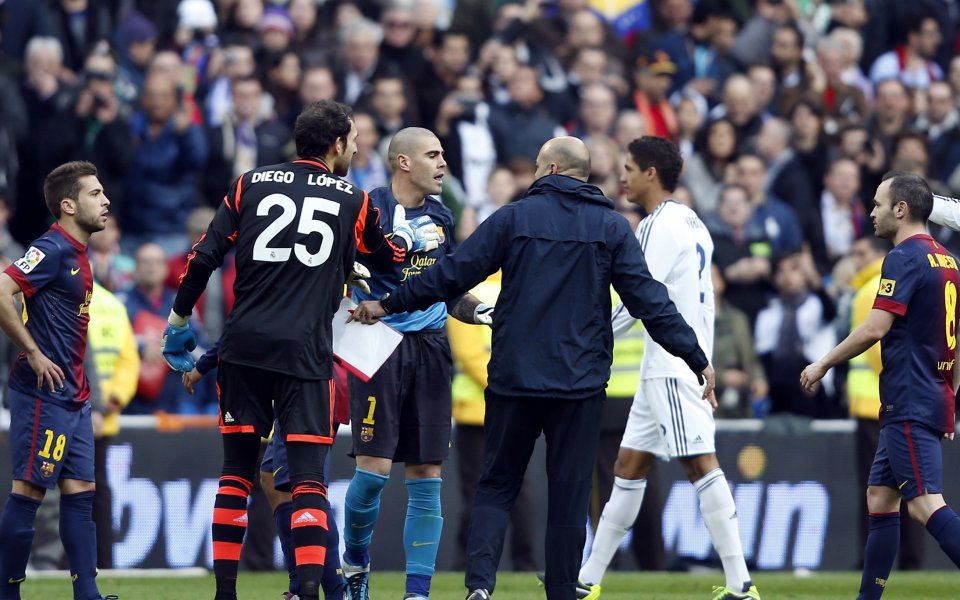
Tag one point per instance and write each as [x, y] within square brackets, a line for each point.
[263, 251]
[702, 255]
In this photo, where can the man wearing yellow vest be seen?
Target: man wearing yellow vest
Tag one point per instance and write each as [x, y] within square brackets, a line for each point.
[470, 346]
[116, 360]
[624, 381]
[863, 393]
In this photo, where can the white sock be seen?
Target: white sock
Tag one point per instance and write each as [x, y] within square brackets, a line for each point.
[720, 515]
[618, 516]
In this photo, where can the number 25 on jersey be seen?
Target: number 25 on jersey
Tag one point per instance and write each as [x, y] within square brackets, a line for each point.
[263, 251]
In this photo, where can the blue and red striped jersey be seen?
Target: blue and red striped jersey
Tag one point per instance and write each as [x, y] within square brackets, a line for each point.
[918, 283]
[57, 285]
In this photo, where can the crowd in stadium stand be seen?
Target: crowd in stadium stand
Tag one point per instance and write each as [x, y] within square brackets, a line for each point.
[787, 112]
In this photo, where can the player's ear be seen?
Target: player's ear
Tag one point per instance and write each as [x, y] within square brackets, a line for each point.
[68, 206]
[403, 162]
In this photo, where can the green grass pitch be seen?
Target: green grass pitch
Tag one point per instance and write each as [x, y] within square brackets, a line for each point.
[926, 585]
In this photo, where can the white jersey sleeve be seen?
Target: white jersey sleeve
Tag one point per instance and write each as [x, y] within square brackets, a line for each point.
[946, 212]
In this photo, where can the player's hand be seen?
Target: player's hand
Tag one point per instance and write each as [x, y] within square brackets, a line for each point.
[112, 406]
[176, 344]
[96, 421]
[358, 278]
[483, 314]
[48, 374]
[182, 120]
[190, 379]
[948, 436]
[811, 376]
[368, 312]
[709, 378]
[419, 235]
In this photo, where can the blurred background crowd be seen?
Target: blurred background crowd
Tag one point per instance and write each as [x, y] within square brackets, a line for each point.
[787, 113]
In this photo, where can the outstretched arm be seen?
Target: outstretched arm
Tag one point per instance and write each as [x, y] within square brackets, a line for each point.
[869, 332]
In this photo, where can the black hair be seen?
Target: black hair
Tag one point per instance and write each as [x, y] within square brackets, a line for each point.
[319, 126]
[912, 189]
[64, 182]
[661, 154]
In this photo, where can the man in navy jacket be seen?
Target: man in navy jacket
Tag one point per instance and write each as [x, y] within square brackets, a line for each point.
[560, 249]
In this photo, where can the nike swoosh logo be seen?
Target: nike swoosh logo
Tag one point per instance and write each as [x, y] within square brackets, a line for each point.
[74, 271]
[355, 526]
[418, 544]
[16, 581]
[277, 471]
[900, 487]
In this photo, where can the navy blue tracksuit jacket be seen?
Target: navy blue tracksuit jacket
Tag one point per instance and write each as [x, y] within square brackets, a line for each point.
[560, 247]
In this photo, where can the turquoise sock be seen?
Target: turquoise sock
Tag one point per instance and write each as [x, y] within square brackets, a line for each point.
[421, 533]
[360, 515]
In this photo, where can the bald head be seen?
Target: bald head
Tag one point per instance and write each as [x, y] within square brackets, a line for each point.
[417, 163]
[564, 156]
[407, 141]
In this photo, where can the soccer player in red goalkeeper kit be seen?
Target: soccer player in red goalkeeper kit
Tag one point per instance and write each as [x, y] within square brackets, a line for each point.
[296, 228]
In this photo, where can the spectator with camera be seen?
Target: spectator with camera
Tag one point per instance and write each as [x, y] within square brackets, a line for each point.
[103, 123]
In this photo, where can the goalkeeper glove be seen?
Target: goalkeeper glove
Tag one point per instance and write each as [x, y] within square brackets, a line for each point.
[483, 314]
[419, 235]
[177, 342]
[357, 278]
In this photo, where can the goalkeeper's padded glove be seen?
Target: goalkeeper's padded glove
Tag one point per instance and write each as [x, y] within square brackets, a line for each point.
[418, 235]
[483, 314]
[176, 344]
[357, 278]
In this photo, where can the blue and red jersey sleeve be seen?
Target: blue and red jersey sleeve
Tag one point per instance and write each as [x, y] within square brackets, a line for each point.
[899, 279]
[39, 266]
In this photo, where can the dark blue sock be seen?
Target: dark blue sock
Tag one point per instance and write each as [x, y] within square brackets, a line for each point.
[16, 537]
[944, 525]
[281, 516]
[418, 584]
[332, 581]
[881, 551]
[79, 537]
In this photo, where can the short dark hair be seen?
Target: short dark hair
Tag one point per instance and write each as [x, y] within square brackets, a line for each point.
[912, 189]
[318, 127]
[64, 182]
[795, 29]
[440, 39]
[913, 22]
[810, 104]
[661, 154]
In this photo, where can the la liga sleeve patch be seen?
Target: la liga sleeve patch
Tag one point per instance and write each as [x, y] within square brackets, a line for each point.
[30, 260]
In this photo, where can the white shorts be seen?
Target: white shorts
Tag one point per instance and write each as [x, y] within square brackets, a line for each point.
[670, 418]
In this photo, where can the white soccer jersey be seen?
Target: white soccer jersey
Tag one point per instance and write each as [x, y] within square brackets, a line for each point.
[946, 212]
[678, 249]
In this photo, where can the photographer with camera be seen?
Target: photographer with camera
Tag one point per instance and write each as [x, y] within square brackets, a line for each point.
[103, 122]
[463, 130]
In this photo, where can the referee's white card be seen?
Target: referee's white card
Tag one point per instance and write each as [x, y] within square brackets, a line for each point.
[362, 349]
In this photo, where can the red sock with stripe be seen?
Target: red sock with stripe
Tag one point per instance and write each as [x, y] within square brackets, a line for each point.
[229, 527]
[308, 524]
